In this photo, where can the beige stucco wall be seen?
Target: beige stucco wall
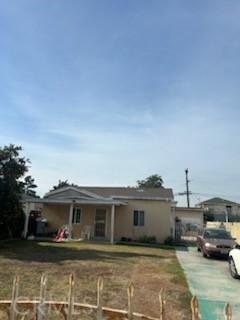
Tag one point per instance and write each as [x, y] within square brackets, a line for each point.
[190, 214]
[56, 215]
[191, 222]
[157, 219]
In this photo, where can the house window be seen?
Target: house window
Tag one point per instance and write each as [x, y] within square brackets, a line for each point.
[138, 218]
[76, 215]
[229, 209]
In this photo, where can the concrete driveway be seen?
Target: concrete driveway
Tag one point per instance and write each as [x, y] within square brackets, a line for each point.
[210, 281]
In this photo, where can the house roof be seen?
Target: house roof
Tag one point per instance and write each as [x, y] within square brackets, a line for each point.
[217, 200]
[113, 193]
[129, 192]
[103, 195]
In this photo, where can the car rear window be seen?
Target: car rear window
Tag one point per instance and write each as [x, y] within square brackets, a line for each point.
[216, 234]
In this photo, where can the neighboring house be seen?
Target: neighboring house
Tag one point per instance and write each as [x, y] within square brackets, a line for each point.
[219, 206]
[109, 213]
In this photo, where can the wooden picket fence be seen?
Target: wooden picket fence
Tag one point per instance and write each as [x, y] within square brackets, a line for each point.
[38, 309]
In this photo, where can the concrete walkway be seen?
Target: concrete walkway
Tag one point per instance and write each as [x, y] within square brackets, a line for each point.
[210, 281]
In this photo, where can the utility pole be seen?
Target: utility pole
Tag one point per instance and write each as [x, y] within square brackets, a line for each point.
[187, 189]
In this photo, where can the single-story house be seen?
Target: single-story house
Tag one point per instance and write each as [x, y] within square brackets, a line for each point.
[109, 213]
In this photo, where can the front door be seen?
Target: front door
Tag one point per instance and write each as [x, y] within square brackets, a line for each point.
[100, 223]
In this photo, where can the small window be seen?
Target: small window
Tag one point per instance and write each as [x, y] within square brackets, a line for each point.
[138, 218]
[135, 218]
[141, 218]
[76, 215]
[229, 209]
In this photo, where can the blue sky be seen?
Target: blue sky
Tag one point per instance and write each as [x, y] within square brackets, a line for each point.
[108, 92]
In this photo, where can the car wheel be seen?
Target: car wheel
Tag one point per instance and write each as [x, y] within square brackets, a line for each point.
[204, 254]
[232, 268]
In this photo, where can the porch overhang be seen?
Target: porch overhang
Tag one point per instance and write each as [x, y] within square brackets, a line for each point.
[71, 203]
[79, 201]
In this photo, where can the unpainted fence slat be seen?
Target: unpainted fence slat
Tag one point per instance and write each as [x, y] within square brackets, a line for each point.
[195, 308]
[228, 312]
[99, 298]
[130, 293]
[162, 302]
[70, 297]
[15, 290]
[41, 309]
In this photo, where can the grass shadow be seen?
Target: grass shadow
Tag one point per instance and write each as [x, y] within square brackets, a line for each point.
[51, 252]
[146, 245]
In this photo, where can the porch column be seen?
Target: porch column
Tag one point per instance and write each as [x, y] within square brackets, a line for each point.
[173, 222]
[70, 220]
[26, 213]
[112, 224]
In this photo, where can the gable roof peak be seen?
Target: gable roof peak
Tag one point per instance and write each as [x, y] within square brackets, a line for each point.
[73, 188]
[218, 200]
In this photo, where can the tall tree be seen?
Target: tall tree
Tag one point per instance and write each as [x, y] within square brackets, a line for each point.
[29, 186]
[12, 169]
[61, 184]
[153, 181]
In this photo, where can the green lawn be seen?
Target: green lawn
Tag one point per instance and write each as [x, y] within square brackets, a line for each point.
[150, 269]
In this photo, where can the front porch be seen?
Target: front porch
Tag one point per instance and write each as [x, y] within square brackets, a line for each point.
[86, 220]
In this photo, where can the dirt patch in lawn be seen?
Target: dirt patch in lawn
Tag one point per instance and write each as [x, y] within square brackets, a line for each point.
[149, 269]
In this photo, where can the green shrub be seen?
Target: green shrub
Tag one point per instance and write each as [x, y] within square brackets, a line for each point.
[147, 239]
[169, 240]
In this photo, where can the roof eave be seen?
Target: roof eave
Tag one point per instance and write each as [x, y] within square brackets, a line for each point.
[143, 198]
[78, 201]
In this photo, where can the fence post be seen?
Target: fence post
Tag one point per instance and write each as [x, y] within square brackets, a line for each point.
[70, 297]
[162, 302]
[99, 298]
[14, 298]
[194, 308]
[41, 310]
[130, 293]
[228, 312]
